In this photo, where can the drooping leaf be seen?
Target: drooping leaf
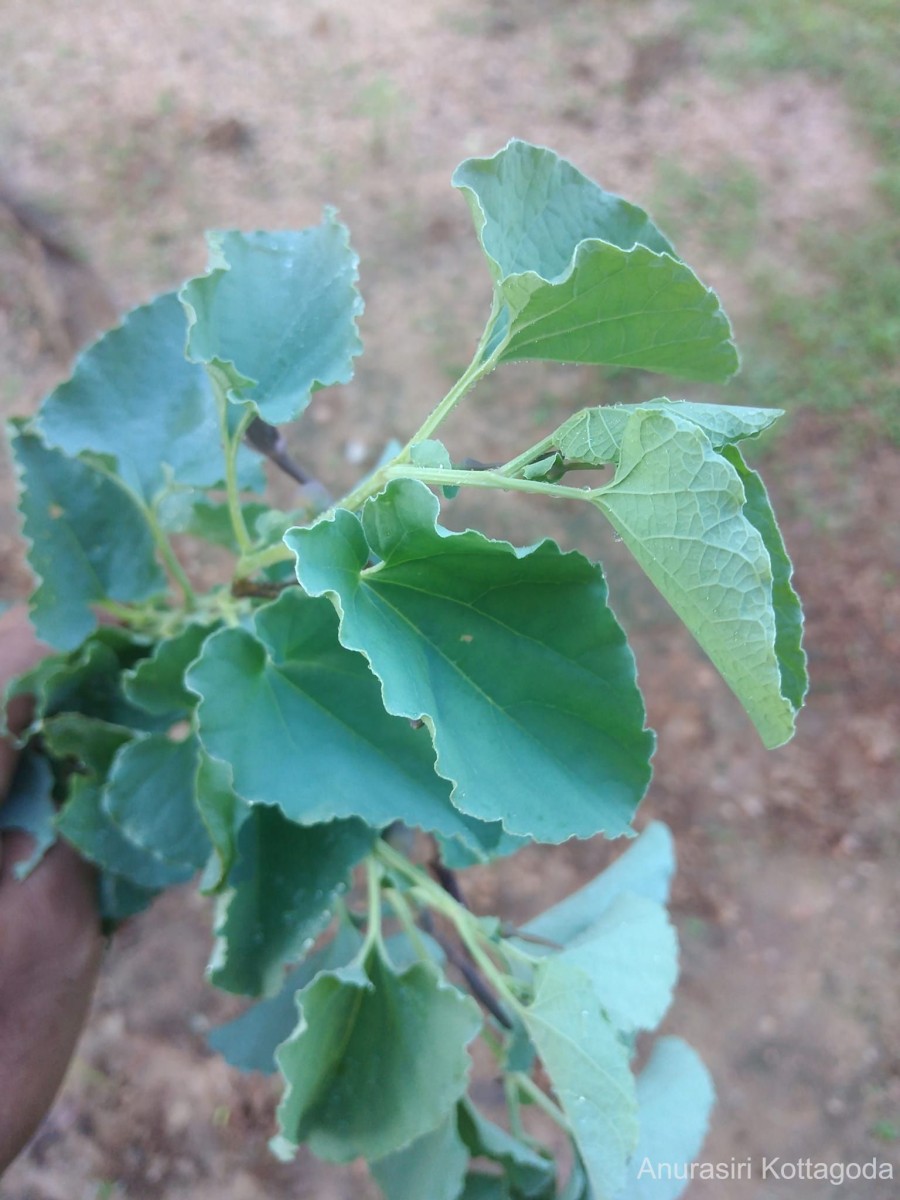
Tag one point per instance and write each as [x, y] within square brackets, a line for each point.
[223, 813]
[530, 1173]
[645, 869]
[249, 1042]
[378, 1060]
[28, 806]
[675, 1096]
[583, 276]
[594, 435]
[156, 683]
[290, 686]
[434, 1165]
[630, 955]
[588, 1067]
[83, 820]
[788, 613]
[149, 796]
[275, 315]
[89, 541]
[679, 507]
[134, 396]
[511, 657]
[280, 897]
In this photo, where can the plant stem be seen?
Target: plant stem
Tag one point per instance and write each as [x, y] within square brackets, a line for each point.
[170, 559]
[405, 917]
[231, 445]
[527, 1085]
[484, 479]
[373, 930]
[532, 454]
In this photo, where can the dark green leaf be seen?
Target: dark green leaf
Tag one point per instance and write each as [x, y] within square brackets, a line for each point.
[28, 805]
[156, 683]
[434, 1165]
[89, 541]
[377, 1060]
[645, 869]
[788, 613]
[511, 657]
[301, 721]
[250, 1041]
[83, 820]
[529, 1173]
[281, 894]
[275, 315]
[223, 813]
[149, 796]
[679, 507]
[675, 1096]
[583, 276]
[134, 397]
[588, 1067]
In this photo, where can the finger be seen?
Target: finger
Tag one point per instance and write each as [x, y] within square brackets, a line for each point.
[19, 650]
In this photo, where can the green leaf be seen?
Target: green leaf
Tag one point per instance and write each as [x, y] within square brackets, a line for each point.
[282, 889]
[679, 507]
[582, 276]
[588, 1067]
[156, 683]
[675, 1096]
[83, 820]
[223, 813]
[511, 657]
[149, 795]
[275, 315]
[28, 806]
[528, 1172]
[788, 613]
[301, 721]
[595, 435]
[249, 1042]
[134, 396]
[645, 869]
[378, 1060]
[434, 1165]
[630, 955]
[89, 541]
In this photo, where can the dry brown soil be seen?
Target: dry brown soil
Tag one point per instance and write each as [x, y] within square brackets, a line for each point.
[130, 129]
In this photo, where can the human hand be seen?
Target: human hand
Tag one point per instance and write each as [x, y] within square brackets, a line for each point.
[51, 944]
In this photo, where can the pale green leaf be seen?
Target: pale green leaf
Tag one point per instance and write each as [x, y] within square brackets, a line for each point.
[89, 541]
[301, 722]
[530, 1173]
[281, 892]
[377, 1061]
[249, 1041]
[630, 955]
[275, 315]
[675, 1097]
[134, 397]
[582, 276]
[786, 603]
[434, 1165]
[588, 1068]
[679, 507]
[511, 657]
[594, 435]
[645, 869]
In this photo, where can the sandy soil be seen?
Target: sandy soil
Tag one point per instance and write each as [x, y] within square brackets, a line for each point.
[129, 130]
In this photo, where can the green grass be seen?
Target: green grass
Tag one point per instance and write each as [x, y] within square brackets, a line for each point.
[831, 346]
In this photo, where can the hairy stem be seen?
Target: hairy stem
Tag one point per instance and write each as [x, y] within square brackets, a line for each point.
[176, 571]
[231, 445]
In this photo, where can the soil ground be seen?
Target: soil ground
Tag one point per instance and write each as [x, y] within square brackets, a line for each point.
[126, 131]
